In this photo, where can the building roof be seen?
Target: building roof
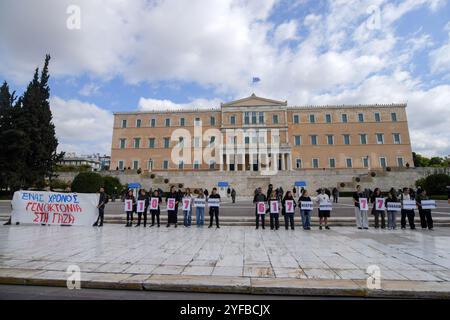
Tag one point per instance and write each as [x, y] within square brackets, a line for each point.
[254, 100]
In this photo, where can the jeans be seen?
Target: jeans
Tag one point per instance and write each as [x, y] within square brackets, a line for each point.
[377, 214]
[155, 213]
[306, 218]
[391, 220]
[289, 219]
[410, 214]
[200, 215]
[362, 220]
[426, 221]
[187, 217]
[213, 212]
[101, 213]
[274, 217]
[263, 218]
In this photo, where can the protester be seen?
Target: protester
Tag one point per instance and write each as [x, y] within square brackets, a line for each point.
[335, 195]
[233, 195]
[156, 212]
[294, 191]
[200, 211]
[130, 196]
[188, 213]
[362, 221]
[214, 211]
[407, 213]
[260, 197]
[305, 214]
[206, 194]
[288, 216]
[269, 190]
[377, 213]
[102, 200]
[391, 215]
[274, 216]
[172, 215]
[323, 198]
[228, 192]
[426, 221]
[143, 197]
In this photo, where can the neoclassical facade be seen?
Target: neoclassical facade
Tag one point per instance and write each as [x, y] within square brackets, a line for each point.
[258, 134]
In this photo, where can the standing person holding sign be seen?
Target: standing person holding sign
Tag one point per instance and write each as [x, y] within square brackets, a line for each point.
[102, 200]
[426, 221]
[260, 210]
[214, 210]
[323, 199]
[155, 200]
[274, 207]
[408, 206]
[392, 209]
[289, 204]
[172, 207]
[187, 207]
[378, 208]
[305, 204]
[142, 207]
[361, 208]
[130, 204]
[200, 208]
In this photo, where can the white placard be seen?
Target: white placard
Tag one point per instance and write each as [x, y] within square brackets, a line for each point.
[380, 204]
[38, 207]
[409, 204]
[326, 206]
[214, 202]
[187, 204]
[140, 206]
[128, 205]
[199, 202]
[154, 202]
[363, 204]
[306, 205]
[261, 208]
[394, 206]
[289, 206]
[274, 207]
[428, 204]
[171, 204]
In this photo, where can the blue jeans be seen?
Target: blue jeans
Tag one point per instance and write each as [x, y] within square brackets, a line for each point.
[306, 218]
[187, 218]
[200, 215]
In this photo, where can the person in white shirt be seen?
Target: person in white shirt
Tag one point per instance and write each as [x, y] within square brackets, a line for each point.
[323, 198]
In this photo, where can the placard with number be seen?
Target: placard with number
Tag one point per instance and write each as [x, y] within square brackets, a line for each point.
[171, 204]
[363, 204]
[428, 204]
[199, 202]
[306, 205]
[274, 207]
[128, 205]
[379, 204]
[214, 202]
[140, 206]
[289, 206]
[154, 202]
[409, 204]
[325, 206]
[261, 207]
[394, 206]
[187, 204]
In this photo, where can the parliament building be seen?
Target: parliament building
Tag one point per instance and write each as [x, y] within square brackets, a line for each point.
[255, 133]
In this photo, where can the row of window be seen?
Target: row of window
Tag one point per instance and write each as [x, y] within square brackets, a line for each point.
[346, 139]
[259, 118]
[135, 164]
[348, 162]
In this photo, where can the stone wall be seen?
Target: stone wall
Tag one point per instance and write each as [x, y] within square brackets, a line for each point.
[246, 182]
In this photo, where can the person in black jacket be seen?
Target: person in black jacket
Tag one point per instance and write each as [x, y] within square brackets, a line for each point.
[172, 214]
[102, 200]
[377, 213]
[288, 216]
[130, 196]
[214, 211]
[259, 197]
[143, 196]
[156, 212]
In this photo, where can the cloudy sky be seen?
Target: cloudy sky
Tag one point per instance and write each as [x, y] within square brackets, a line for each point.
[143, 54]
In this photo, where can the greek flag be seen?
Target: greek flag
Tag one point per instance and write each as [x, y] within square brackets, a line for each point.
[256, 79]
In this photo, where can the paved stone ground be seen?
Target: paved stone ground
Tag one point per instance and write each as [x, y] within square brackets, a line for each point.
[115, 253]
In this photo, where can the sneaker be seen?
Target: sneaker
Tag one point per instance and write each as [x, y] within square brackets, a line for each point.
[359, 228]
[95, 224]
[327, 227]
[100, 225]
[365, 228]
[176, 225]
[168, 225]
[209, 226]
[137, 225]
[320, 227]
[218, 227]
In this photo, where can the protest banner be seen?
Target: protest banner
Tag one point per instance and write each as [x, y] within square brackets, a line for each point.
[409, 204]
[394, 206]
[187, 204]
[154, 202]
[128, 205]
[140, 206]
[214, 202]
[261, 207]
[306, 205]
[379, 204]
[428, 204]
[42, 207]
[274, 207]
[171, 204]
[363, 204]
[325, 206]
[199, 202]
[289, 206]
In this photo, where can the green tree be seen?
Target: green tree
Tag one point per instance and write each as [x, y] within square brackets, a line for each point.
[87, 182]
[112, 185]
[435, 184]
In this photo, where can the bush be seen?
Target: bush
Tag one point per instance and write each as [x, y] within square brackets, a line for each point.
[87, 182]
[58, 184]
[111, 185]
[373, 174]
[435, 184]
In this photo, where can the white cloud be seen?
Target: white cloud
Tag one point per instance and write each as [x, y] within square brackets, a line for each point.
[286, 31]
[149, 104]
[89, 89]
[440, 59]
[81, 127]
